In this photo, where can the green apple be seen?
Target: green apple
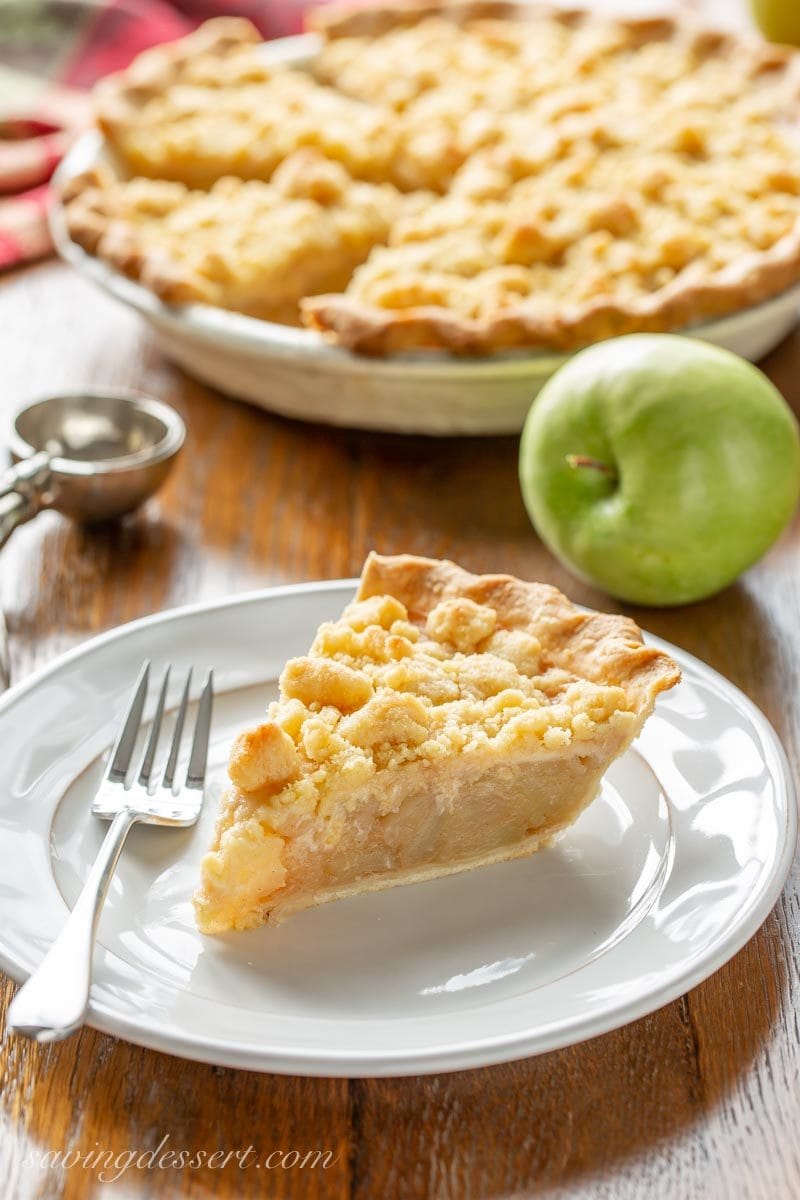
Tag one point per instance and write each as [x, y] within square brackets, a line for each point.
[658, 467]
[779, 20]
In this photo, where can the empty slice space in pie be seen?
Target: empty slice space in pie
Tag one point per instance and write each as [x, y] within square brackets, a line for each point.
[445, 722]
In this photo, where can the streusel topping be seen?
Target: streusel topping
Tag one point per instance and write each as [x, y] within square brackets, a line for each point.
[211, 105]
[584, 163]
[457, 90]
[540, 231]
[378, 690]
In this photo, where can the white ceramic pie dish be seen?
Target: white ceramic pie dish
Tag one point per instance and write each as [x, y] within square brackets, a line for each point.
[296, 373]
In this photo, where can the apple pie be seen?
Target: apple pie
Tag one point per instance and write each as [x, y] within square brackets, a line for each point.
[446, 721]
[568, 176]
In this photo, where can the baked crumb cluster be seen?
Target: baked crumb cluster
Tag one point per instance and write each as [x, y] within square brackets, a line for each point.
[378, 690]
[566, 177]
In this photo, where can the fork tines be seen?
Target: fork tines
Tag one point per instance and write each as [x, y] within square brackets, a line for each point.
[119, 762]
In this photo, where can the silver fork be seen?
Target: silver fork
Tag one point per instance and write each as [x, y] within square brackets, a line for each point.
[53, 1002]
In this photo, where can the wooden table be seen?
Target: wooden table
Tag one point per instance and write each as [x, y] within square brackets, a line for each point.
[700, 1099]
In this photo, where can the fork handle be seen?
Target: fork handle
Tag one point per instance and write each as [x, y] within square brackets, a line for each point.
[53, 1002]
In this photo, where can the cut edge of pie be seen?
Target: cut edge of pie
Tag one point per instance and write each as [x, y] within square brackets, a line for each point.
[316, 226]
[446, 721]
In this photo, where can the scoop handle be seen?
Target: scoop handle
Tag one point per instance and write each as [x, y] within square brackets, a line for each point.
[14, 510]
[23, 492]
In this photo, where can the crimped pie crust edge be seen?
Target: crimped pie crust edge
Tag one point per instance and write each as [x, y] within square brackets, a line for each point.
[680, 306]
[602, 647]
[96, 230]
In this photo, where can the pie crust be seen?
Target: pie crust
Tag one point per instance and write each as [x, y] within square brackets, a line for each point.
[447, 721]
[568, 176]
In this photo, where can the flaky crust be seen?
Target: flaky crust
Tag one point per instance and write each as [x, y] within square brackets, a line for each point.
[345, 20]
[93, 225]
[601, 647]
[681, 305]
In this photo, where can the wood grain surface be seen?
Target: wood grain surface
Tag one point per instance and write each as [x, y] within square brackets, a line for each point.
[700, 1099]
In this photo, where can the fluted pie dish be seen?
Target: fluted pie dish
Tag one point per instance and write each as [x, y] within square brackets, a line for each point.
[447, 721]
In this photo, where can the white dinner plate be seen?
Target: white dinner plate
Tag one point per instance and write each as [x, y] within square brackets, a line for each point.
[297, 373]
[663, 878]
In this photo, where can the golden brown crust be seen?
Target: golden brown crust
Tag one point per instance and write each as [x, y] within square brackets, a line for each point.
[96, 223]
[85, 213]
[344, 20]
[681, 305]
[601, 647]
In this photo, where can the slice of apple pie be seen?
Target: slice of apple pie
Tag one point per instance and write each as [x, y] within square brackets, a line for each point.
[446, 721]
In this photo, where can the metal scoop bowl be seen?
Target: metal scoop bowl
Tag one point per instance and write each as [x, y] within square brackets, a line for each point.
[91, 456]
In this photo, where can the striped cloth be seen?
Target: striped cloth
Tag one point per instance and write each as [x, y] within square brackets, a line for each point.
[51, 52]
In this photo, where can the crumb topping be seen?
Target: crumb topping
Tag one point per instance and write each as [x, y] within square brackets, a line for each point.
[211, 105]
[445, 721]
[378, 690]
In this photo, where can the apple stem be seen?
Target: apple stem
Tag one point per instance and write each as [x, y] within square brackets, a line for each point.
[594, 464]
